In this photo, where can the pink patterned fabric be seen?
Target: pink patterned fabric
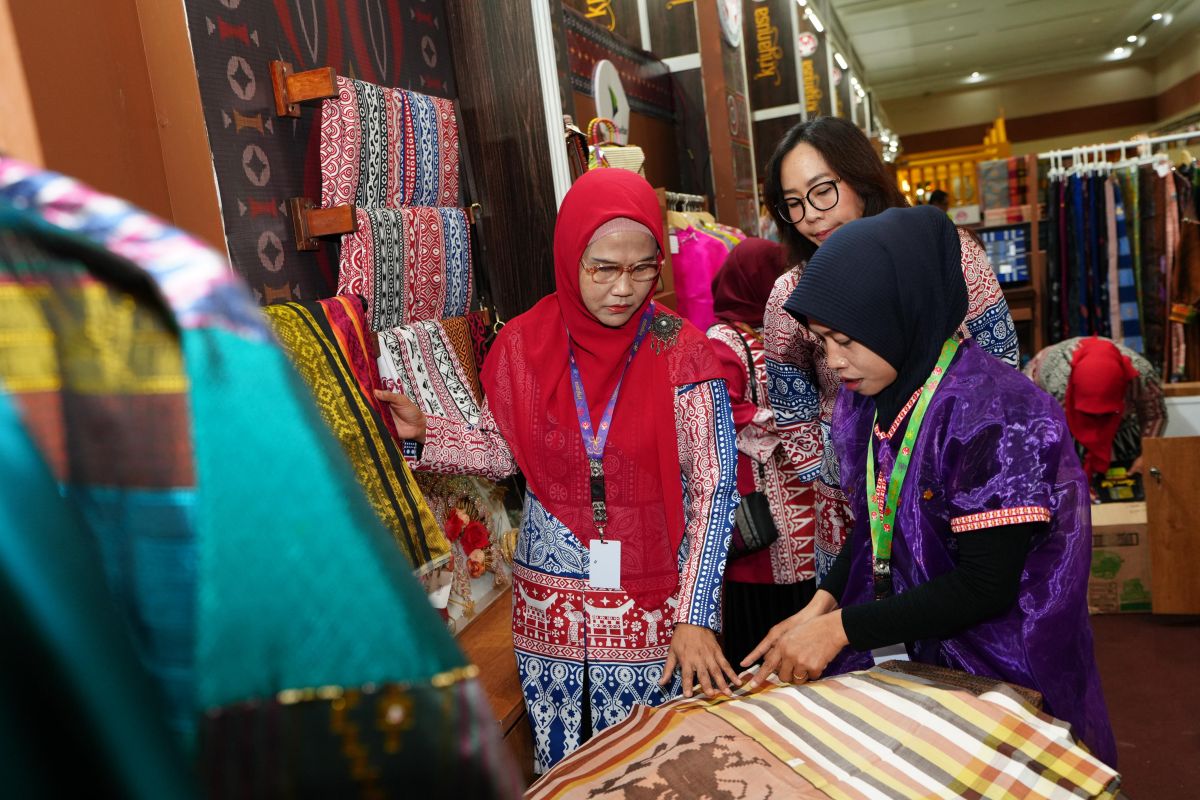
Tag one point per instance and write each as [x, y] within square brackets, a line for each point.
[387, 148]
[409, 264]
[790, 558]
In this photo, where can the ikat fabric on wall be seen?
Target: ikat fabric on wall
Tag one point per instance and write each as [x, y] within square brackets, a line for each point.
[409, 264]
[385, 148]
[261, 160]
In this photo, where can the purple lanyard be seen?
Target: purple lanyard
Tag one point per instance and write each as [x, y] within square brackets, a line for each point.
[595, 439]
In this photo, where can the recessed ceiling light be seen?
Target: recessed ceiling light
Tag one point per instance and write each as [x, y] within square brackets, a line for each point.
[975, 77]
[974, 74]
[1119, 53]
[1156, 17]
[1131, 38]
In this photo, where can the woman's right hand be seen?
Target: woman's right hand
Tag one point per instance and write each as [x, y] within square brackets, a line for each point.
[822, 603]
[410, 420]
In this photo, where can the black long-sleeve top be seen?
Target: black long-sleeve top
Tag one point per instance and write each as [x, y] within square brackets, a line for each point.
[984, 584]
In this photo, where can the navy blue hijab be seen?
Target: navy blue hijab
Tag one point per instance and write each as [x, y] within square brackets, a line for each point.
[894, 283]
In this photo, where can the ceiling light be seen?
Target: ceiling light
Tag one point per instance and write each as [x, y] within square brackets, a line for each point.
[1119, 53]
[1156, 17]
[976, 77]
[841, 60]
[1131, 38]
[816, 23]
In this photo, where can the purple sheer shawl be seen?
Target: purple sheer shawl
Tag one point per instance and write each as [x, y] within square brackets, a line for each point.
[991, 442]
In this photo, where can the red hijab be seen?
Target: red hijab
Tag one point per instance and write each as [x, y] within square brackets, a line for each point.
[743, 285]
[528, 386]
[1095, 400]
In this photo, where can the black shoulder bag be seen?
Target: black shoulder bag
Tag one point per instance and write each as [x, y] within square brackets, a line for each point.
[754, 527]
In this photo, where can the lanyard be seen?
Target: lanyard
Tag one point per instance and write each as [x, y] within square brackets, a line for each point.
[883, 508]
[594, 439]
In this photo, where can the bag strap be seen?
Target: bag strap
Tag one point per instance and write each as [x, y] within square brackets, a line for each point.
[762, 473]
[594, 130]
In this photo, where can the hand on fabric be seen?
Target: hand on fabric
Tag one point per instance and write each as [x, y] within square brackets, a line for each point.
[694, 650]
[409, 419]
[820, 607]
[802, 653]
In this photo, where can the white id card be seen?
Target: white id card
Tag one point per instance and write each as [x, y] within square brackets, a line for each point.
[604, 564]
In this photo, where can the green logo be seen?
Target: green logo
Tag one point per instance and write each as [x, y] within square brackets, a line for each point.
[1106, 564]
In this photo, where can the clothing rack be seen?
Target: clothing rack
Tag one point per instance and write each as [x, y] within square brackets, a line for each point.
[1096, 150]
[689, 202]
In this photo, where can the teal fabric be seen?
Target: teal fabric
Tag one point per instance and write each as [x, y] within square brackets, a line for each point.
[300, 586]
[79, 706]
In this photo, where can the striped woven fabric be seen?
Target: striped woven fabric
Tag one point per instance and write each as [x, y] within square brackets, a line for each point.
[386, 148]
[409, 264]
[872, 734]
[329, 345]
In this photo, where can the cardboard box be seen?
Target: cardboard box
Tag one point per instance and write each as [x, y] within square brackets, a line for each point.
[1120, 578]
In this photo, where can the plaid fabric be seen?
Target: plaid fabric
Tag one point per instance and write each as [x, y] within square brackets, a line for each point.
[328, 343]
[867, 734]
[387, 148]
[410, 264]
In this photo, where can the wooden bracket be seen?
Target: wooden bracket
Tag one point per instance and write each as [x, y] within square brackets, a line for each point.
[310, 221]
[293, 88]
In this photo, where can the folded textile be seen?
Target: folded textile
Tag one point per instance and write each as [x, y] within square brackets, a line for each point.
[433, 363]
[864, 734]
[386, 148]
[334, 353]
[994, 184]
[409, 264]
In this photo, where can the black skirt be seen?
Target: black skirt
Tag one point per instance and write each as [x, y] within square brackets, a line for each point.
[752, 608]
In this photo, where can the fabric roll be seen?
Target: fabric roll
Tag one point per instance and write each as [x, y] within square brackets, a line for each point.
[993, 184]
[331, 349]
[387, 148]
[410, 264]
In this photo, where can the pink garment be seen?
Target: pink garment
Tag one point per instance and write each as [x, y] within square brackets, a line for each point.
[695, 265]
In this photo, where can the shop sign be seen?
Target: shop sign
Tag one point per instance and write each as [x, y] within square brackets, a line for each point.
[609, 95]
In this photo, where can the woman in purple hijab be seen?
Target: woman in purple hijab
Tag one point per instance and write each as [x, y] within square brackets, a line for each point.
[972, 533]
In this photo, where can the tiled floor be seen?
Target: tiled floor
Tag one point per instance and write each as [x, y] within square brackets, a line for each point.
[1150, 668]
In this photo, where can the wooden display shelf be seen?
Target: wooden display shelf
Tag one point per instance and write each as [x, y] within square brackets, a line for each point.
[487, 643]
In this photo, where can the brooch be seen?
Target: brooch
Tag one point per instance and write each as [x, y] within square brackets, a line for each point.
[665, 329]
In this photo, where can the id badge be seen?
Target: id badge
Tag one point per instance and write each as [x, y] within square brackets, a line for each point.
[604, 564]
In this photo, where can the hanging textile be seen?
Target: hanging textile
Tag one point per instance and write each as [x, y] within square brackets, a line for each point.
[1153, 240]
[867, 734]
[432, 363]
[386, 148]
[1101, 312]
[1054, 283]
[233, 583]
[1185, 289]
[409, 264]
[1127, 295]
[700, 255]
[331, 349]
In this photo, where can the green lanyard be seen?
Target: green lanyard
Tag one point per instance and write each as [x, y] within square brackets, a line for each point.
[883, 518]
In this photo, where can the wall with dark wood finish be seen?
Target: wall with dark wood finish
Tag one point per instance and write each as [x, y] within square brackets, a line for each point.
[495, 65]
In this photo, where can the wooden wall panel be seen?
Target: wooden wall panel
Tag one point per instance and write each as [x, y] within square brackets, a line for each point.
[495, 64]
[18, 130]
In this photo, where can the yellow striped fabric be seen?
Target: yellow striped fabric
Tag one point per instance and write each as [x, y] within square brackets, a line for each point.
[872, 734]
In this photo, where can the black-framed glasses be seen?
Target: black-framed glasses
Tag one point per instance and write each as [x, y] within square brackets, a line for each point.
[642, 272]
[821, 197]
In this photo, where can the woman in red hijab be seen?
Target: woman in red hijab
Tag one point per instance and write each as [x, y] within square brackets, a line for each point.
[1112, 397]
[614, 411]
[765, 586]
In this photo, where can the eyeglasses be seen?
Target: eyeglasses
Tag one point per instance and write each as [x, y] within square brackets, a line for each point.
[643, 272]
[821, 197]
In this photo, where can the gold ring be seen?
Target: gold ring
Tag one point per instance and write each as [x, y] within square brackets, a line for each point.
[802, 677]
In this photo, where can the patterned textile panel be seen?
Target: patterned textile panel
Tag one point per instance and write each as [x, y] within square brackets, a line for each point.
[369, 740]
[993, 184]
[410, 264]
[387, 148]
[862, 735]
[97, 376]
[432, 363]
[328, 344]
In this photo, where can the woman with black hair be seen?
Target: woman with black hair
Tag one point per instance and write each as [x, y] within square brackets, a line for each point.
[823, 175]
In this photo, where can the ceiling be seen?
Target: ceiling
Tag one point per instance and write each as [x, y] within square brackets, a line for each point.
[911, 47]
